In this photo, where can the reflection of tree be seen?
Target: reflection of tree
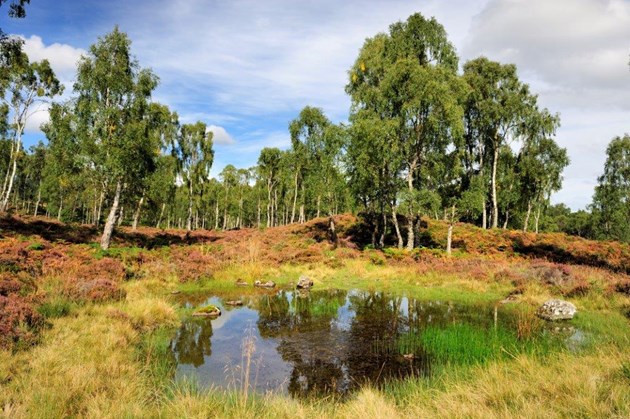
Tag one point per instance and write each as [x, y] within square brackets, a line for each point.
[286, 313]
[314, 376]
[334, 341]
[378, 323]
[303, 322]
[192, 342]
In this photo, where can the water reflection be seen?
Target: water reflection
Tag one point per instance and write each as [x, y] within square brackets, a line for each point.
[320, 342]
[193, 342]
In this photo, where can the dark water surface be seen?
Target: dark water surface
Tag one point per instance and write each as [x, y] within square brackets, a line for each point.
[322, 342]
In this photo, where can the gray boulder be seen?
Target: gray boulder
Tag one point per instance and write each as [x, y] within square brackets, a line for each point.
[268, 284]
[556, 310]
[304, 282]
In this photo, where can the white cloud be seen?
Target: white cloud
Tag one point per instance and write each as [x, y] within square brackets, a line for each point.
[220, 135]
[37, 116]
[63, 58]
[266, 57]
[577, 48]
[574, 54]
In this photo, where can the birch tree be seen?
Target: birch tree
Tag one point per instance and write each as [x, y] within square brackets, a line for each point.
[112, 111]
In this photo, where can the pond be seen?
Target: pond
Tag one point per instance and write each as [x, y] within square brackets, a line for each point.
[331, 342]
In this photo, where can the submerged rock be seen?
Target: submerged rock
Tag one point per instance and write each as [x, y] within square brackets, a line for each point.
[556, 310]
[208, 311]
[304, 282]
[268, 284]
[234, 303]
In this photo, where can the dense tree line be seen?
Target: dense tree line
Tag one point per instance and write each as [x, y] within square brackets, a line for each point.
[423, 139]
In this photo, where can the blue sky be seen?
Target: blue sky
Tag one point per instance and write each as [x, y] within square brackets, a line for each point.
[247, 67]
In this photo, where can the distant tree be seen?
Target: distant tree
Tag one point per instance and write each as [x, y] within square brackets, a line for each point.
[316, 147]
[268, 170]
[22, 86]
[34, 167]
[611, 202]
[63, 163]
[497, 106]
[541, 164]
[196, 157]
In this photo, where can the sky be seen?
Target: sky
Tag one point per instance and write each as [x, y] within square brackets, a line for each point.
[247, 67]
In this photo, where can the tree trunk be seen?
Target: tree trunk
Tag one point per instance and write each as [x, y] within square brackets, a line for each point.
[537, 219]
[449, 236]
[294, 198]
[259, 210]
[190, 206]
[507, 219]
[529, 211]
[410, 233]
[161, 215]
[274, 219]
[121, 215]
[39, 197]
[8, 178]
[136, 215]
[240, 213]
[484, 216]
[111, 218]
[381, 240]
[333, 232]
[396, 227]
[60, 208]
[8, 173]
[319, 198]
[269, 204]
[216, 214]
[5, 201]
[100, 207]
[374, 233]
[495, 203]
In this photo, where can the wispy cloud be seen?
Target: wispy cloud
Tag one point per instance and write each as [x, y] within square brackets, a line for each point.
[249, 66]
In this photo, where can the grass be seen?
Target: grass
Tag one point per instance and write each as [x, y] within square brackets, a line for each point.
[112, 359]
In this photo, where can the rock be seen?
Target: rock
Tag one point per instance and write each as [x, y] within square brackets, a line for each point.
[241, 283]
[175, 292]
[509, 299]
[556, 310]
[234, 303]
[268, 284]
[208, 311]
[304, 282]
[302, 293]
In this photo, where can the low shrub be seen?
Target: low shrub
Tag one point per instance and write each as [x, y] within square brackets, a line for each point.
[95, 290]
[623, 287]
[20, 323]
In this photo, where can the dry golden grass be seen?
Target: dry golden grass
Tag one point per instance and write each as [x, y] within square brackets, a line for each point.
[90, 364]
[84, 367]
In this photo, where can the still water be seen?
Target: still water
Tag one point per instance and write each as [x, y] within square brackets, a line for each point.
[323, 342]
